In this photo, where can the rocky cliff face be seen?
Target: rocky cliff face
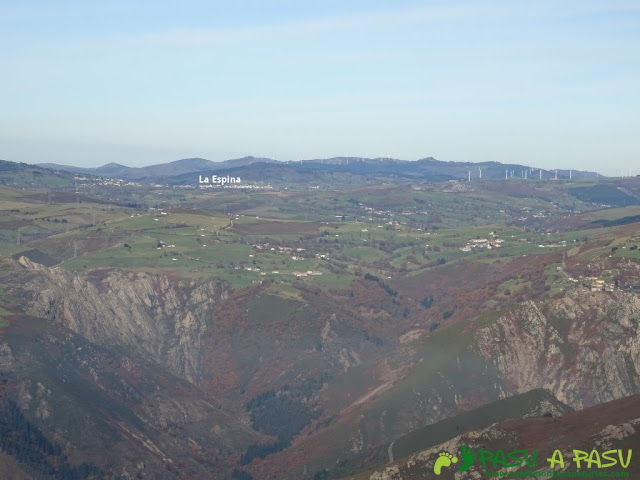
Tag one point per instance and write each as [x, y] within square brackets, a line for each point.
[585, 347]
[107, 363]
[153, 316]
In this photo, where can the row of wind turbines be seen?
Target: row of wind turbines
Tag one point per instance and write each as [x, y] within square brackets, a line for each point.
[526, 174]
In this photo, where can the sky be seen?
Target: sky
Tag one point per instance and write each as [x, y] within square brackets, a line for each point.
[545, 83]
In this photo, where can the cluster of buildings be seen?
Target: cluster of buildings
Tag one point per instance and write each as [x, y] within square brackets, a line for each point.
[307, 273]
[295, 273]
[487, 243]
[563, 243]
[372, 213]
[294, 252]
[107, 182]
[596, 284]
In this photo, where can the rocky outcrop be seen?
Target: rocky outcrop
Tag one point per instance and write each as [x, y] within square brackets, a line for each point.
[340, 354]
[6, 358]
[585, 347]
[151, 315]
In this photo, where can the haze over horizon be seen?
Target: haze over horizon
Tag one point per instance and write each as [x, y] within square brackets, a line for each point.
[543, 84]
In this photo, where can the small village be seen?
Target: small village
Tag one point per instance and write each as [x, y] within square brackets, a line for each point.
[483, 243]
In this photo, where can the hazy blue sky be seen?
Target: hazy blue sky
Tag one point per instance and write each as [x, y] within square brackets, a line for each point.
[549, 83]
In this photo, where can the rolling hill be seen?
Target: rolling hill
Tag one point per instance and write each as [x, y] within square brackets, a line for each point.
[427, 169]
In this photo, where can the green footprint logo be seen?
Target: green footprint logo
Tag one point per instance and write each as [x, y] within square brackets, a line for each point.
[468, 457]
[445, 459]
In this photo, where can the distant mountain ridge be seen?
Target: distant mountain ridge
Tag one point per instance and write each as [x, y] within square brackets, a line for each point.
[426, 169]
[150, 172]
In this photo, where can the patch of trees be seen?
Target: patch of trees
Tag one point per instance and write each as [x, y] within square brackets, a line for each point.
[27, 444]
[281, 414]
[427, 302]
[450, 244]
[388, 289]
[238, 474]
[260, 399]
[377, 341]
[411, 258]
[311, 385]
[261, 450]
[175, 225]
[387, 246]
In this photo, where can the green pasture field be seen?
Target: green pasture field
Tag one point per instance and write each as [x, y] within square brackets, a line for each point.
[215, 236]
[614, 213]
[367, 254]
[331, 280]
